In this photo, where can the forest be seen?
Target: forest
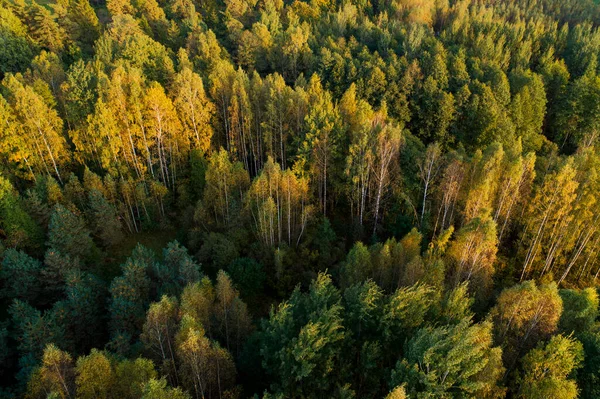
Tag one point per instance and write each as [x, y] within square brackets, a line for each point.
[227, 199]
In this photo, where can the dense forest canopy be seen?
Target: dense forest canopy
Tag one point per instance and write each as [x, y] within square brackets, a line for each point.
[299, 199]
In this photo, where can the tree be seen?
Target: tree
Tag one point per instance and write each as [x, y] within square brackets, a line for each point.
[68, 234]
[452, 360]
[580, 311]
[577, 120]
[158, 389]
[225, 183]
[34, 328]
[528, 108]
[364, 307]
[523, 315]
[397, 393]
[587, 377]
[16, 51]
[193, 351]
[80, 93]
[95, 376]
[320, 149]
[548, 214]
[472, 254]
[18, 227]
[218, 250]
[278, 203]
[164, 131]
[206, 368]
[428, 170]
[513, 190]
[104, 218]
[456, 305]
[83, 309]
[98, 141]
[449, 190]
[483, 181]
[44, 28]
[248, 275]
[231, 314]
[387, 147]
[485, 120]
[546, 369]
[435, 111]
[131, 376]
[82, 25]
[55, 375]
[301, 341]
[56, 271]
[194, 108]
[129, 298]
[180, 265]
[44, 147]
[158, 335]
[405, 312]
[357, 116]
[295, 50]
[20, 274]
[357, 267]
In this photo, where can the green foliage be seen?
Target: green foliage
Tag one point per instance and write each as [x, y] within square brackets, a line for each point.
[68, 234]
[580, 311]
[20, 276]
[158, 389]
[432, 155]
[248, 275]
[451, 360]
[523, 315]
[301, 342]
[34, 328]
[17, 49]
[546, 369]
[104, 218]
[182, 269]
[18, 227]
[129, 298]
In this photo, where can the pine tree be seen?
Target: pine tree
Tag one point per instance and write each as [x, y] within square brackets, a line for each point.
[69, 235]
[129, 298]
[18, 227]
[104, 219]
[20, 274]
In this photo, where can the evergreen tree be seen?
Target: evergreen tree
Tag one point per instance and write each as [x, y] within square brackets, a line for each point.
[20, 275]
[68, 234]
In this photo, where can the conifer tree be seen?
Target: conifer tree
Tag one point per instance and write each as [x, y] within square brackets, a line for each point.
[69, 235]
